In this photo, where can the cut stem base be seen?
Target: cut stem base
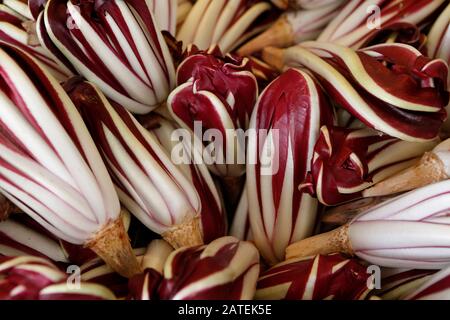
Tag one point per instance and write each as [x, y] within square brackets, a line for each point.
[187, 234]
[325, 243]
[429, 170]
[112, 244]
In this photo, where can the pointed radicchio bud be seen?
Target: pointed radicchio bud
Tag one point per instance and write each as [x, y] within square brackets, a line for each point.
[221, 22]
[116, 45]
[359, 20]
[226, 269]
[213, 215]
[409, 231]
[216, 94]
[437, 287]
[149, 184]
[348, 161]
[332, 277]
[286, 124]
[13, 31]
[49, 165]
[392, 88]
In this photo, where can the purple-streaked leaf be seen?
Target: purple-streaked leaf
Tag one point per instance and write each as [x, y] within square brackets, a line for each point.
[145, 285]
[22, 278]
[225, 269]
[360, 19]
[149, 184]
[216, 93]
[49, 165]
[401, 284]
[437, 287]
[410, 231]
[12, 31]
[331, 277]
[392, 88]
[117, 45]
[286, 124]
[347, 161]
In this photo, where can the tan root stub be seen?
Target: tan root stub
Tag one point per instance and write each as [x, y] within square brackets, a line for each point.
[325, 243]
[187, 234]
[429, 170]
[279, 35]
[112, 244]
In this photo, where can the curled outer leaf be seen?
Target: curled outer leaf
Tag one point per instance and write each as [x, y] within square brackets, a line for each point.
[153, 188]
[359, 20]
[437, 287]
[392, 88]
[331, 277]
[399, 32]
[347, 161]
[225, 269]
[116, 45]
[283, 130]
[36, 7]
[221, 22]
[218, 94]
